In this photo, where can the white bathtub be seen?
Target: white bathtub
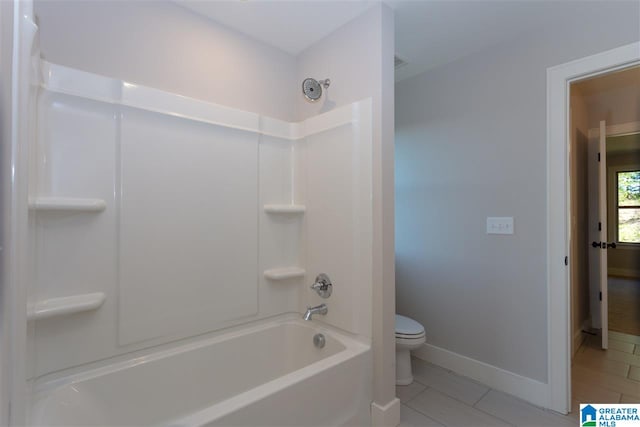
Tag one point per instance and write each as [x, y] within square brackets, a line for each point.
[265, 375]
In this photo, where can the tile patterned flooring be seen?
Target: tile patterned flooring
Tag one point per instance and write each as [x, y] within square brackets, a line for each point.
[611, 376]
[439, 397]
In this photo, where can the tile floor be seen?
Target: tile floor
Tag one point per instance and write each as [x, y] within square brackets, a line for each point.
[439, 397]
[610, 376]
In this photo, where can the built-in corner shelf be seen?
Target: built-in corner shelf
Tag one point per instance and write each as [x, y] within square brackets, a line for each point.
[66, 305]
[284, 273]
[285, 209]
[66, 204]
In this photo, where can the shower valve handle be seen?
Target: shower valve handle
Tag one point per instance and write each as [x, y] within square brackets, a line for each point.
[323, 285]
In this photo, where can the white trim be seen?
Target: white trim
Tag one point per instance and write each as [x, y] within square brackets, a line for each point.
[616, 130]
[497, 378]
[558, 210]
[387, 415]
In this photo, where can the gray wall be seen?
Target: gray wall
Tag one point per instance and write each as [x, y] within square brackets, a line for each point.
[471, 143]
[165, 46]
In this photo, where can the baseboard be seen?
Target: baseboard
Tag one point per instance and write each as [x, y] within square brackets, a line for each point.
[624, 272]
[386, 415]
[579, 336]
[528, 389]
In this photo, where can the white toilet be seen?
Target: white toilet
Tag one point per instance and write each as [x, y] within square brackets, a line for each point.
[410, 335]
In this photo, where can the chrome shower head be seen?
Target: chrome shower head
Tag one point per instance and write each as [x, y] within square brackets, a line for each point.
[312, 88]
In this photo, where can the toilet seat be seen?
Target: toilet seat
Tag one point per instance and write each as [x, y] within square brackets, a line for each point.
[410, 335]
[407, 328]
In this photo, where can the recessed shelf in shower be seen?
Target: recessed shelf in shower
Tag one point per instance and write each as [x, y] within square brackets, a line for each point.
[67, 204]
[284, 273]
[54, 307]
[285, 209]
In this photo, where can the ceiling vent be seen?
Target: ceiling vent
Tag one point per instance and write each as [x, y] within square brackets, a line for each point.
[399, 62]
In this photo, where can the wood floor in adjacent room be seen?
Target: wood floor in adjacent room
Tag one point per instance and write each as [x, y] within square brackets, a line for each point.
[624, 305]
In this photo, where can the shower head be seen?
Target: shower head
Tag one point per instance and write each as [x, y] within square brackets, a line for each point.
[312, 88]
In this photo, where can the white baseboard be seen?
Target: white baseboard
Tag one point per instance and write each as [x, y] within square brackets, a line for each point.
[386, 415]
[624, 272]
[528, 389]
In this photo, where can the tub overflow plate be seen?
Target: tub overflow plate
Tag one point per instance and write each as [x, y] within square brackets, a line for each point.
[319, 340]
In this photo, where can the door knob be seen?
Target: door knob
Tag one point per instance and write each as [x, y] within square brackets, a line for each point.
[603, 245]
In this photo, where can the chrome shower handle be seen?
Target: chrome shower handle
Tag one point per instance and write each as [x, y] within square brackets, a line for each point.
[323, 285]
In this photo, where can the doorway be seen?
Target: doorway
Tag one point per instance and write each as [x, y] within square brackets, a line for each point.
[604, 164]
[623, 227]
[605, 121]
[559, 234]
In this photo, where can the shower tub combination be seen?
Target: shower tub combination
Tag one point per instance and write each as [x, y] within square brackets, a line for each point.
[264, 375]
[216, 342]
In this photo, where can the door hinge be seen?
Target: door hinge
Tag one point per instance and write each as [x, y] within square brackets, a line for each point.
[599, 226]
[598, 156]
[566, 260]
[600, 296]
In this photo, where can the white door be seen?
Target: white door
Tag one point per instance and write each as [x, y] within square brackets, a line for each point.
[602, 209]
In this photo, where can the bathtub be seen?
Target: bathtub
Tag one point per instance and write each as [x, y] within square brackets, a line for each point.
[269, 374]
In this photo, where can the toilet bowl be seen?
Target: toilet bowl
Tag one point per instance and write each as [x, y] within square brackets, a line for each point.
[410, 335]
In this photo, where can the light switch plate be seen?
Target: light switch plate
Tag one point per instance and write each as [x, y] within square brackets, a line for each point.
[500, 225]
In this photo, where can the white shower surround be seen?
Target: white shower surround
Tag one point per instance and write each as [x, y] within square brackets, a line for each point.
[159, 221]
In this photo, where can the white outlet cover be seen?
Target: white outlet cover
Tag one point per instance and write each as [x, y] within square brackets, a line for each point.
[500, 225]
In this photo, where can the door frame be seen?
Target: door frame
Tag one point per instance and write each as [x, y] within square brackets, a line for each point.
[558, 210]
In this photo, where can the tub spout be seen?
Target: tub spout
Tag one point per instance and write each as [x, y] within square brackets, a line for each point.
[320, 309]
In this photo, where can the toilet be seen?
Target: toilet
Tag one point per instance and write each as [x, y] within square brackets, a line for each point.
[410, 335]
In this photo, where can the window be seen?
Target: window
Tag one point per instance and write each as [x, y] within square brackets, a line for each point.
[628, 206]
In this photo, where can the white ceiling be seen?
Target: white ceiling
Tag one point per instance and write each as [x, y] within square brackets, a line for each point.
[433, 33]
[290, 25]
[429, 33]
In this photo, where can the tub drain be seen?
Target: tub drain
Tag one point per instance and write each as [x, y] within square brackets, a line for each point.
[319, 340]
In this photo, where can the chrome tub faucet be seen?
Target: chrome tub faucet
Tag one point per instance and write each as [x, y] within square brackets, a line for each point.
[320, 309]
